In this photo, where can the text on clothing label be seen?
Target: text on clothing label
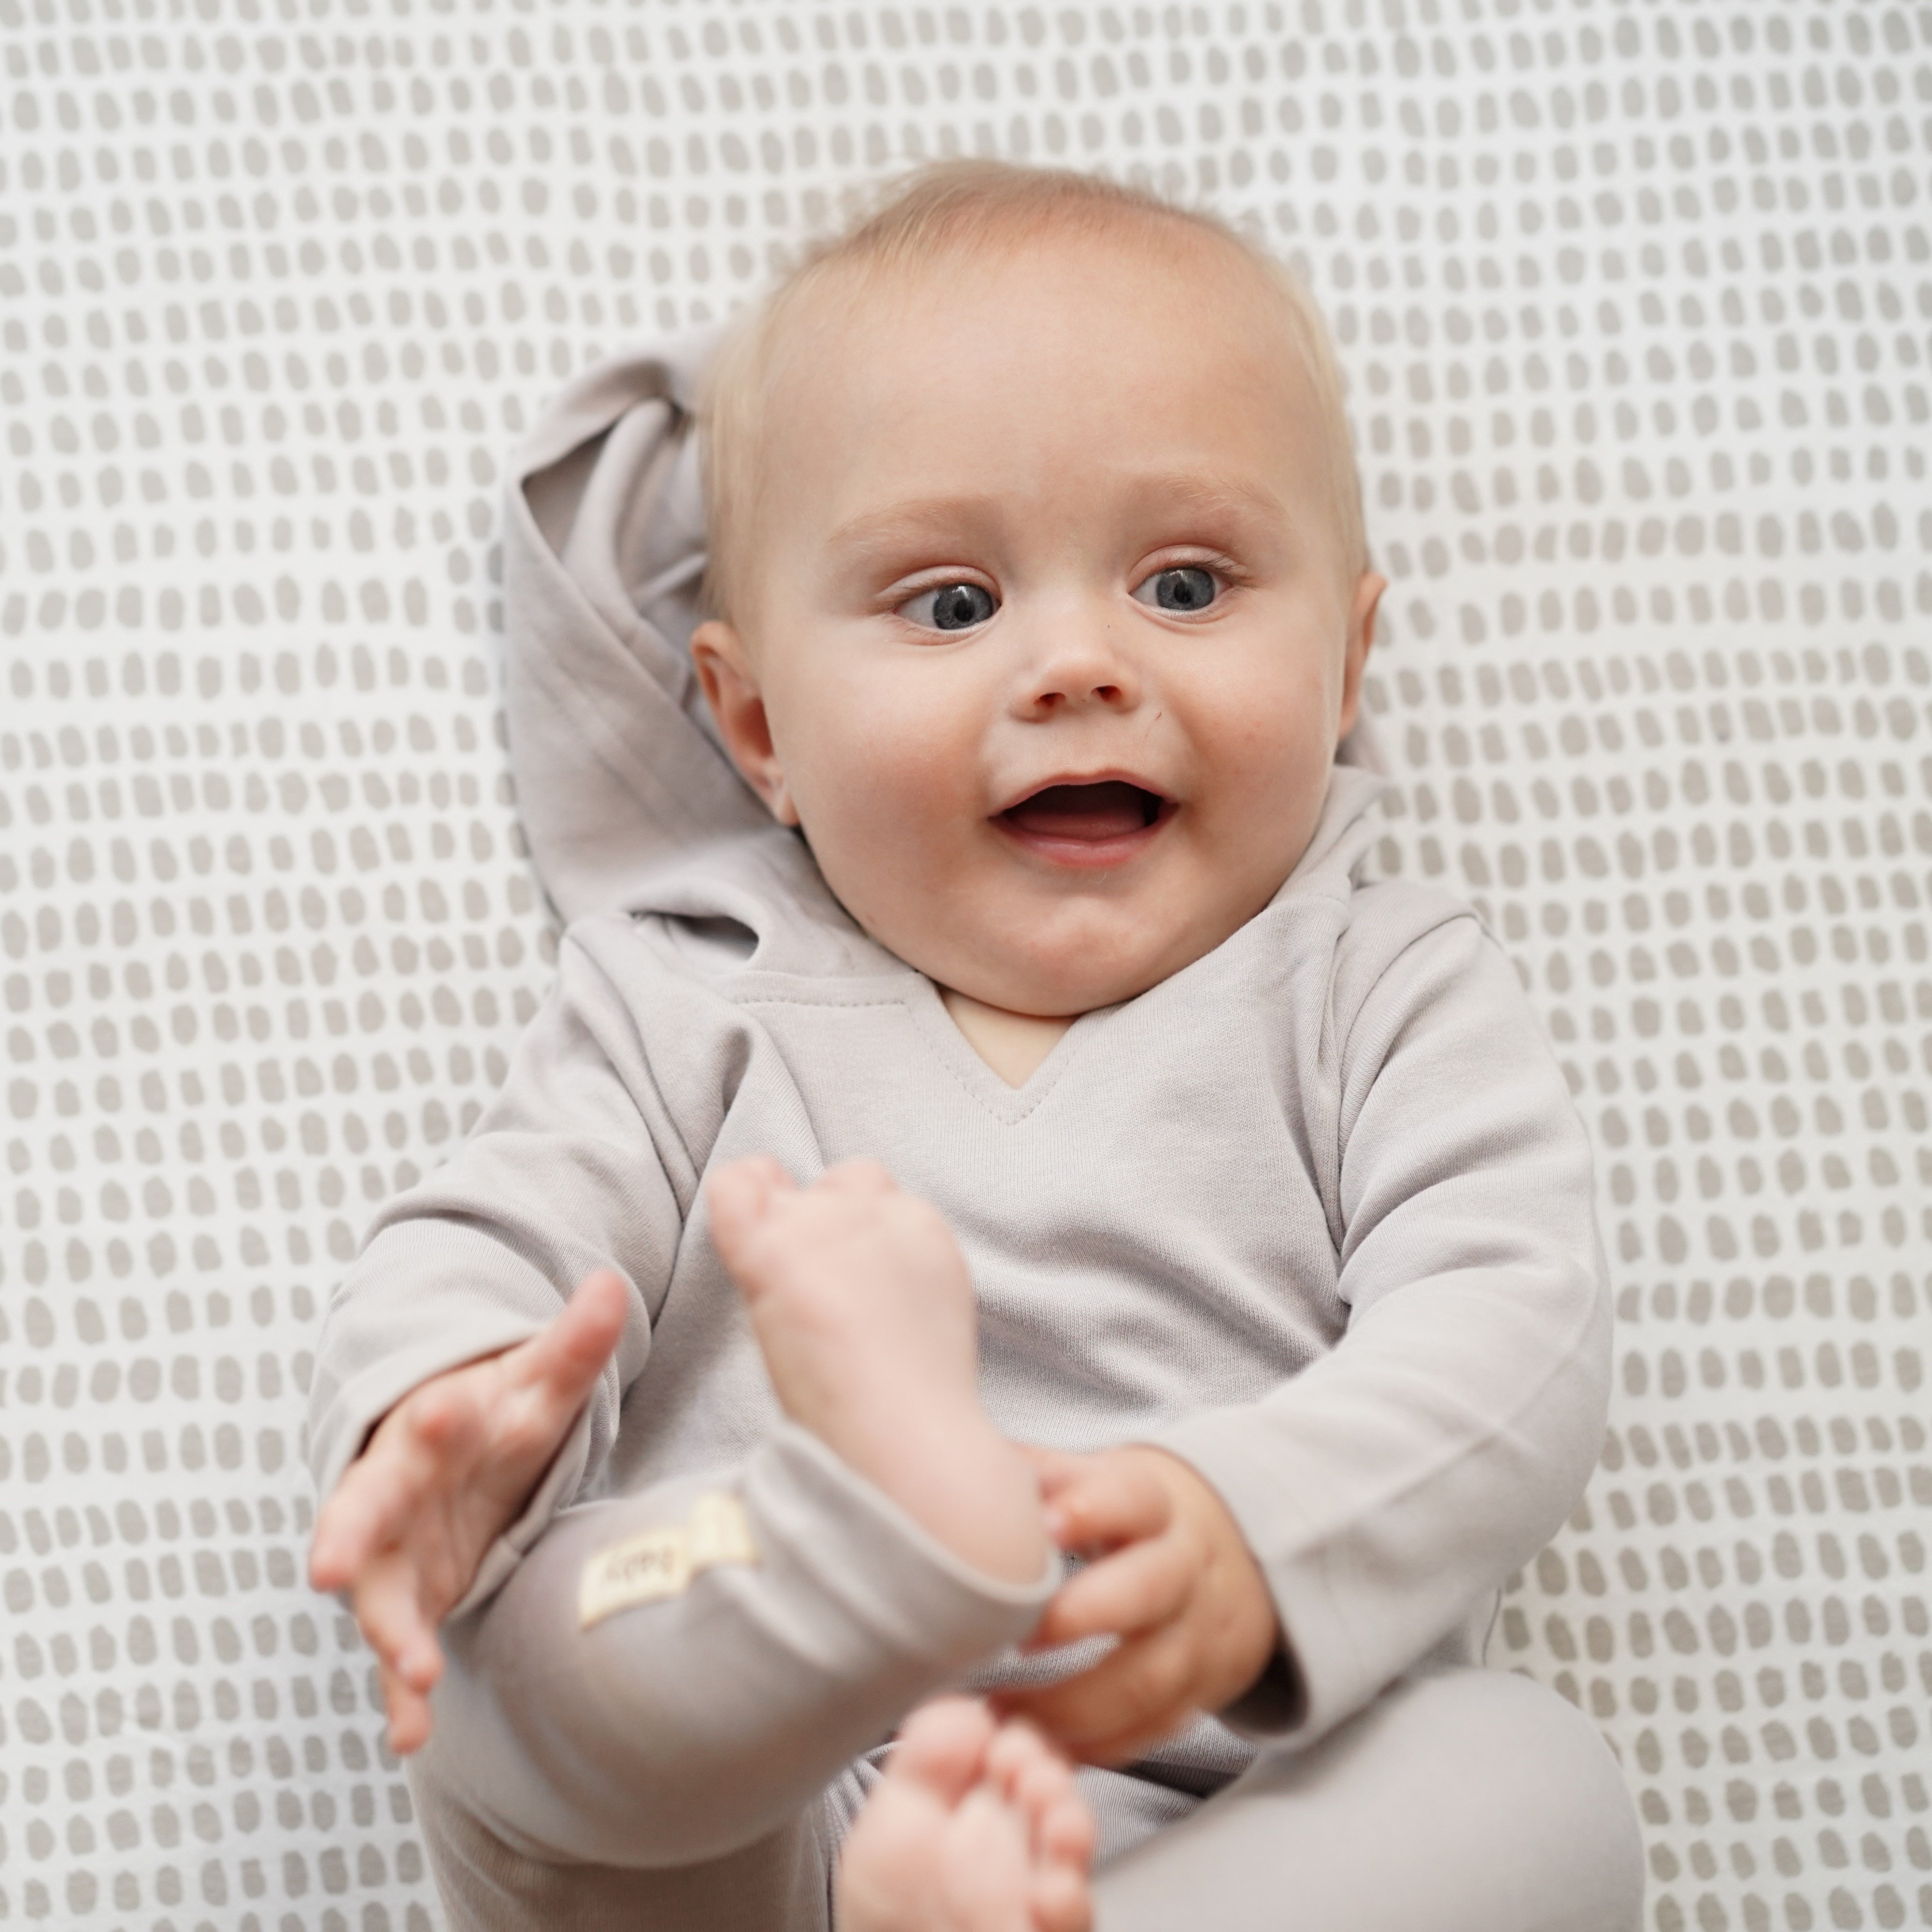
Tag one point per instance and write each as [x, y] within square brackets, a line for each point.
[658, 1564]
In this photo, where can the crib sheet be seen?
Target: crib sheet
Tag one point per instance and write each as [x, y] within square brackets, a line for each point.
[1634, 303]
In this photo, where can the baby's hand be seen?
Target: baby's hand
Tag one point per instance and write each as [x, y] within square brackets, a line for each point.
[447, 1471]
[1173, 1579]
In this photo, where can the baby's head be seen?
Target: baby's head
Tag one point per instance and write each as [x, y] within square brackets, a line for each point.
[1041, 588]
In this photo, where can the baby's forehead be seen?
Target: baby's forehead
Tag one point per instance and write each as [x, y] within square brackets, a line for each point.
[1143, 243]
[1167, 311]
[856, 305]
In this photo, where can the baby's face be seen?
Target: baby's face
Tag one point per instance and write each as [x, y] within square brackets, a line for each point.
[1046, 643]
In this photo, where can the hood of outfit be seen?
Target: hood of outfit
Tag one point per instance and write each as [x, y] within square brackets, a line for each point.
[620, 775]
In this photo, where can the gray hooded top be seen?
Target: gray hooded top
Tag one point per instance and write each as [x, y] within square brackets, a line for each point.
[1315, 1213]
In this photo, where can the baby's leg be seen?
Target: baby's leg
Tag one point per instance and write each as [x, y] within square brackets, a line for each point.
[976, 1828]
[1470, 1801]
[671, 1679]
[781, 1882]
[862, 1303]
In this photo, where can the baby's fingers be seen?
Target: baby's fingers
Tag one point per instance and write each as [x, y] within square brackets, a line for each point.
[560, 1363]
[348, 1526]
[388, 1608]
[409, 1714]
[1110, 1499]
[383, 1489]
[1055, 1468]
[1134, 1697]
[1143, 1586]
[739, 1196]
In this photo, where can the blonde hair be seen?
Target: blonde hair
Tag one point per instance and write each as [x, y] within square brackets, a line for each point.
[950, 207]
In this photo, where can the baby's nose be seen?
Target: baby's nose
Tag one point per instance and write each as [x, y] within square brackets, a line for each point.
[1081, 668]
[1052, 695]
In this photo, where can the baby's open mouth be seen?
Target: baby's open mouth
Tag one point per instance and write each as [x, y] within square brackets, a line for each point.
[1090, 813]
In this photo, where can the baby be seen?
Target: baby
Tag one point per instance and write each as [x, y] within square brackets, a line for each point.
[1177, 1203]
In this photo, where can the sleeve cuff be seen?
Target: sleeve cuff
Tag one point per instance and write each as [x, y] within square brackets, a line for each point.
[1275, 1705]
[559, 1483]
[876, 1568]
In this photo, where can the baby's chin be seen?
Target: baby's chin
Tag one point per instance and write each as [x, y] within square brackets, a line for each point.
[1050, 982]
[1002, 940]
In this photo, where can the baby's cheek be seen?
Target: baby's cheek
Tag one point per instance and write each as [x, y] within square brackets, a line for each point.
[880, 833]
[1272, 755]
[893, 801]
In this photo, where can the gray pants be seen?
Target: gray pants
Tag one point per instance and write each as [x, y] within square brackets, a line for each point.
[690, 1763]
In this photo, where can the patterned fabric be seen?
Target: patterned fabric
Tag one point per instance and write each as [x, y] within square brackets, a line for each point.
[1634, 305]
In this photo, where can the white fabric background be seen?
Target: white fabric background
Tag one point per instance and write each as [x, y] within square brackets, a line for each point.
[1635, 302]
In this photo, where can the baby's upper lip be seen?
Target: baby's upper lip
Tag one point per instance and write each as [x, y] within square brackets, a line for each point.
[1107, 775]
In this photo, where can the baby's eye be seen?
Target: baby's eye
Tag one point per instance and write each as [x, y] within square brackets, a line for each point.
[950, 607]
[1186, 586]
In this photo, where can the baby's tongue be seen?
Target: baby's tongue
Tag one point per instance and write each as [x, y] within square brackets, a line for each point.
[1090, 811]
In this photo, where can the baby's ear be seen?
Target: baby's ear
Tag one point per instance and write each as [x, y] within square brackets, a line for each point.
[724, 669]
[1361, 637]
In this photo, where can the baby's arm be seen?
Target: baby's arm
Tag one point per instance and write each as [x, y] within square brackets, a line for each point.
[447, 1472]
[1385, 1490]
[455, 1392]
[1394, 1484]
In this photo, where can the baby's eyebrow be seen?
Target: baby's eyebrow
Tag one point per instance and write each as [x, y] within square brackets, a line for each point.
[898, 524]
[1220, 498]
[1214, 496]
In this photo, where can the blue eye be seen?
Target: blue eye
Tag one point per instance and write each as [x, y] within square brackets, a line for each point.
[1185, 587]
[951, 607]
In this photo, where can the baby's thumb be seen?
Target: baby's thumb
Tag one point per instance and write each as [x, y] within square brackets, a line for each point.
[569, 1355]
[1106, 1501]
[1055, 1472]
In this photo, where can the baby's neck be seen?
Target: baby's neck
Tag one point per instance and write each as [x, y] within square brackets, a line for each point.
[1012, 1044]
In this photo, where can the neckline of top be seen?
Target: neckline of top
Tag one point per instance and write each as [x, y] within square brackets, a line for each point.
[962, 1058]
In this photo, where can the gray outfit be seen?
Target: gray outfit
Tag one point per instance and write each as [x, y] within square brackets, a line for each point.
[1314, 1214]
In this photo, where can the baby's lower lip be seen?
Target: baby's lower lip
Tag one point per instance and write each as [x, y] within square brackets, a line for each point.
[1088, 854]
[1086, 826]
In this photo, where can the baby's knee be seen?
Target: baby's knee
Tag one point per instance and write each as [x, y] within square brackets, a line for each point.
[649, 1689]
[1468, 1801]
[1549, 1790]
[488, 1877]
[1519, 1736]
[1465, 1801]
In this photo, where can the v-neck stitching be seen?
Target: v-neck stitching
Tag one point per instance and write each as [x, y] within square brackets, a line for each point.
[963, 1059]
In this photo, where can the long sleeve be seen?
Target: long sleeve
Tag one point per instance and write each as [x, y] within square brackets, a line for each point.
[1398, 1480]
[579, 1164]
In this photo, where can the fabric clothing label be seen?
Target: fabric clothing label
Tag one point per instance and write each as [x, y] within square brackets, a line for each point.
[659, 1564]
